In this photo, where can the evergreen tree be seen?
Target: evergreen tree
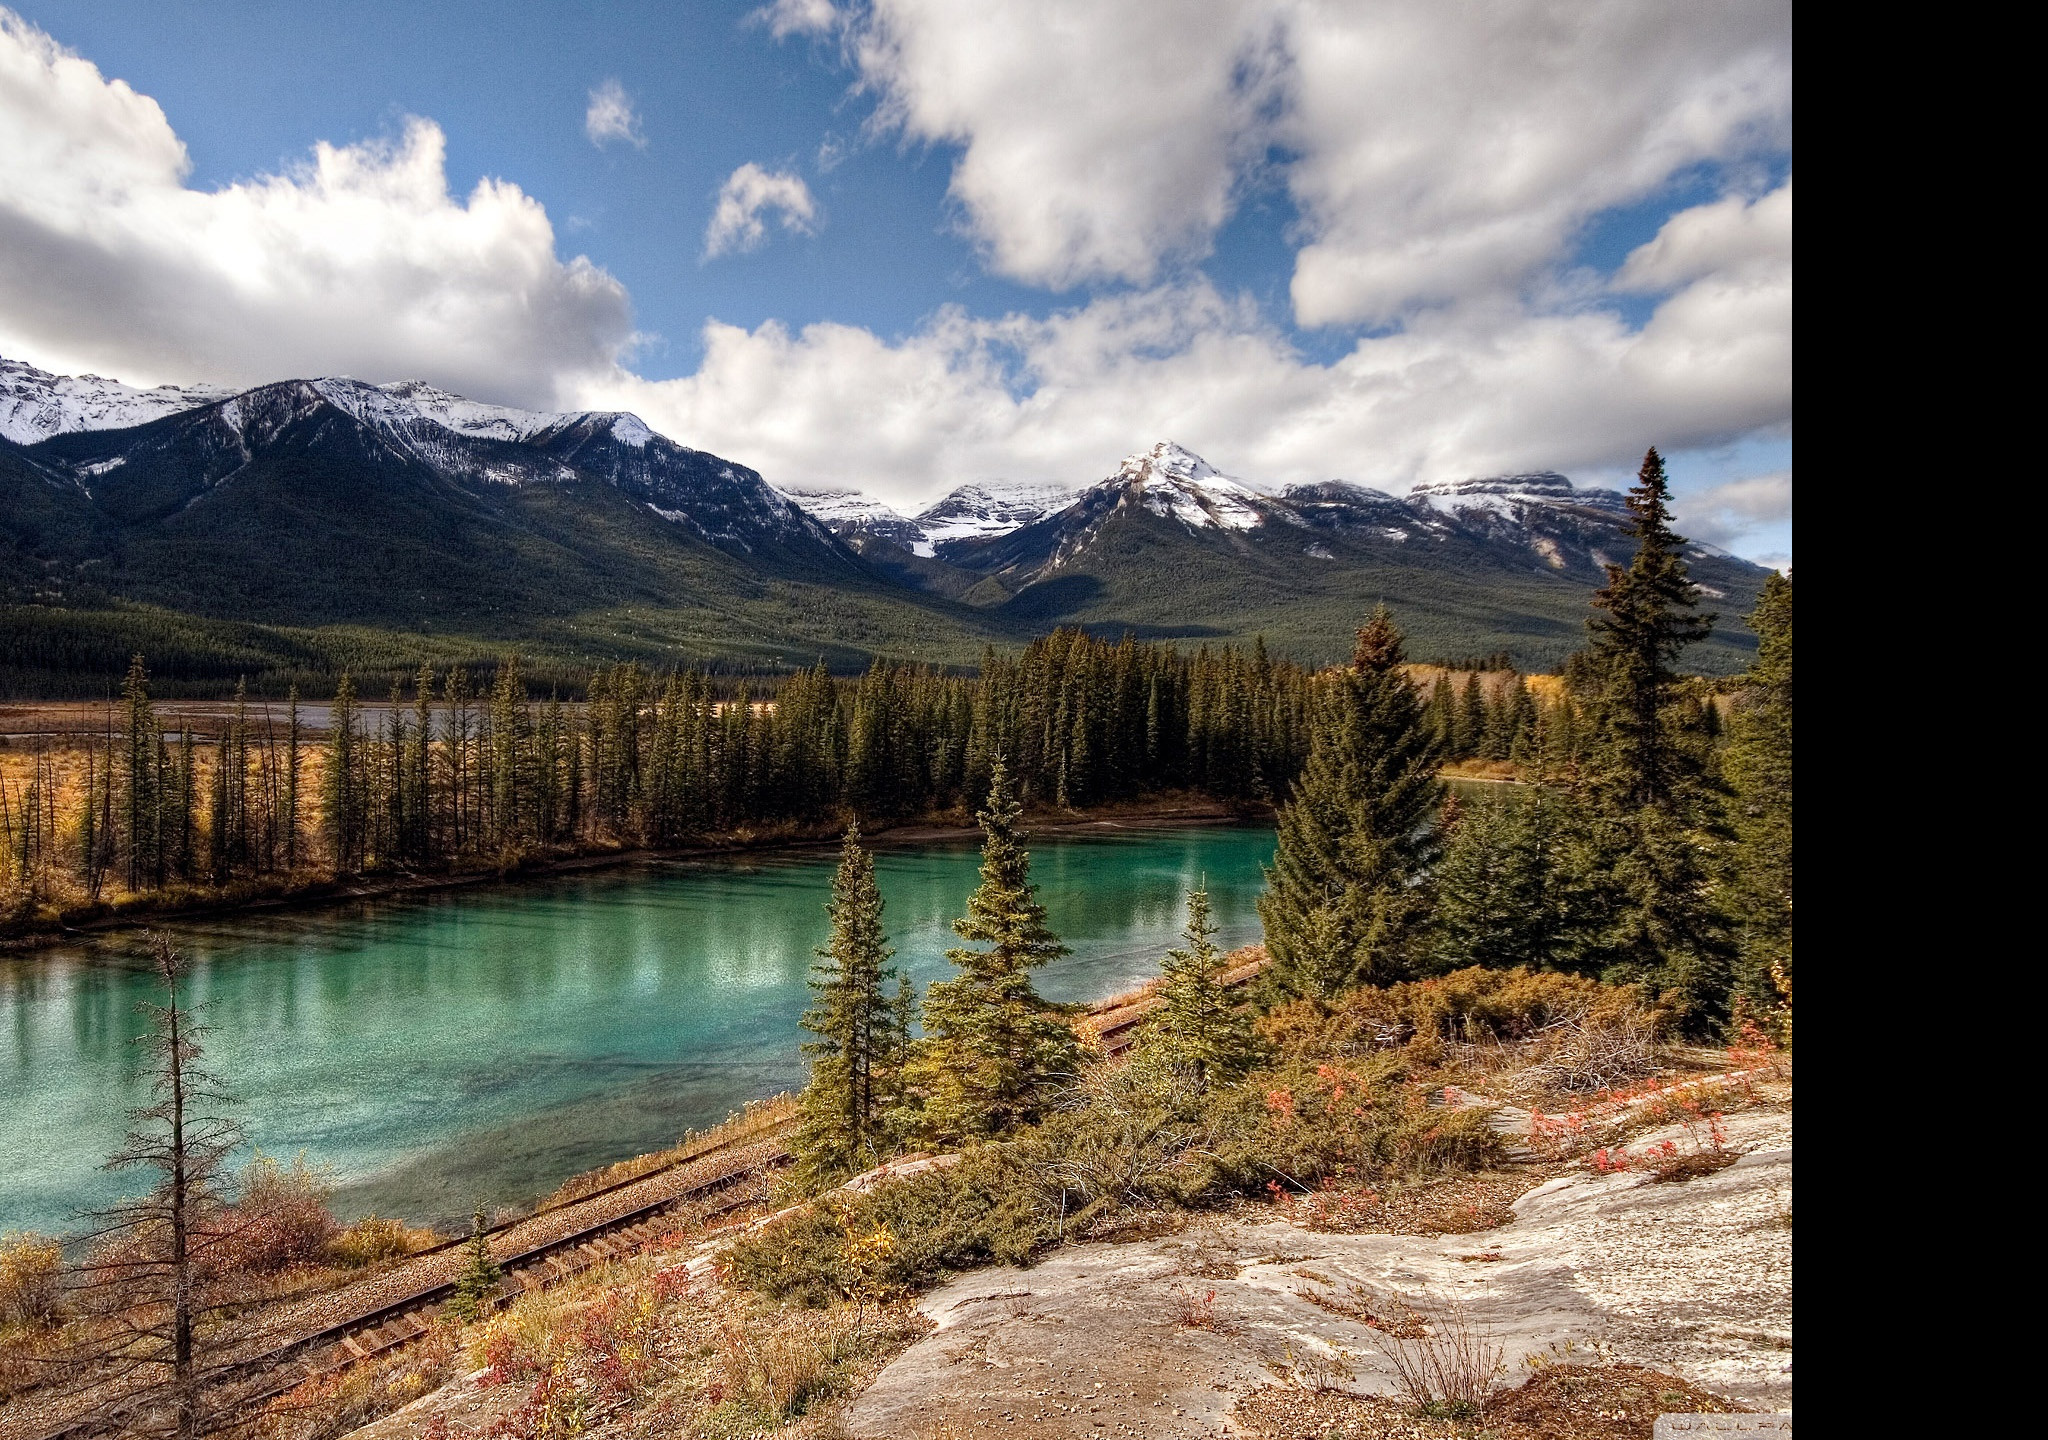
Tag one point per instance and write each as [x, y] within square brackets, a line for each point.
[1644, 622]
[1197, 1025]
[852, 1086]
[1512, 887]
[993, 1049]
[141, 797]
[1470, 733]
[340, 785]
[1643, 772]
[476, 1285]
[1759, 770]
[291, 779]
[1343, 903]
[157, 1285]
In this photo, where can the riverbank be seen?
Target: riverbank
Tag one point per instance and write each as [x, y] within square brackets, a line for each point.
[281, 894]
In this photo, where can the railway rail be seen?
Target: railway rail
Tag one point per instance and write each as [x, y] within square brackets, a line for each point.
[382, 1314]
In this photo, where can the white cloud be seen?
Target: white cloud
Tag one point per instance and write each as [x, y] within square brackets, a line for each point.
[1727, 513]
[1730, 234]
[748, 194]
[358, 262]
[1097, 140]
[610, 116]
[1456, 394]
[1436, 153]
[799, 17]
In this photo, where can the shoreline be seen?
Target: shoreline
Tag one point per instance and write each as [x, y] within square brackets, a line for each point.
[923, 830]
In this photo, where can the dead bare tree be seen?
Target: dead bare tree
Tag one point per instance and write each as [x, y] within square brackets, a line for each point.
[149, 1270]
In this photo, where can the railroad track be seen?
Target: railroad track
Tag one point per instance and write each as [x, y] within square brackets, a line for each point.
[384, 1322]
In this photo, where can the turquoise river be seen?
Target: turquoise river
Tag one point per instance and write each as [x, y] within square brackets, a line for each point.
[486, 1043]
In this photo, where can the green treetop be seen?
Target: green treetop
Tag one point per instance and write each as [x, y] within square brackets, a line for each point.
[993, 1048]
[1343, 903]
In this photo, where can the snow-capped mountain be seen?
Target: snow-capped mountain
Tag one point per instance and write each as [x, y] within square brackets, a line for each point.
[849, 514]
[34, 404]
[994, 507]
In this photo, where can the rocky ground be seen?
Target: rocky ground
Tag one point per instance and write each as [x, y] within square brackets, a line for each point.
[1164, 1337]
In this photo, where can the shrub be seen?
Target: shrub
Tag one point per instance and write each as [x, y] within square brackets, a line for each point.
[1450, 1369]
[374, 1239]
[31, 1280]
[1465, 1006]
[280, 1216]
[1133, 1141]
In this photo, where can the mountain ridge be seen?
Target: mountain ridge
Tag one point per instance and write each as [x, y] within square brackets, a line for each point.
[416, 512]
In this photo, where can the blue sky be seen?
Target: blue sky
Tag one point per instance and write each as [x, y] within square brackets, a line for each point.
[1021, 248]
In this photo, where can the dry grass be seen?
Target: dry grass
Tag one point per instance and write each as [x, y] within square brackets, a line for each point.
[1449, 1369]
[1560, 1402]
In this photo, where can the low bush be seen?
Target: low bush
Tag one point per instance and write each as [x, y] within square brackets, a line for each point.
[1134, 1143]
[1466, 1006]
[280, 1217]
[31, 1281]
[373, 1239]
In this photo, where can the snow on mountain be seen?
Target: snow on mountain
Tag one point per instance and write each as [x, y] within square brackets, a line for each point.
[1177, 483]
[34, 404]
[849, 513]
[1501, 494]
[993, 508]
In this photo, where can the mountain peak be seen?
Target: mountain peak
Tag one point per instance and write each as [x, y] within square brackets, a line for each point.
[1167, 460]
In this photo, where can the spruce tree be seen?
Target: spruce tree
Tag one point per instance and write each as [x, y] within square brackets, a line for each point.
[1343, 903]
[852, 1085]
[1470, 733]
[1512, 888]
[1759, 770]
[993, 1049]
[340, 803]
[1642, 771]
[1196, 1025]
[1644, 622]
[476, 1286]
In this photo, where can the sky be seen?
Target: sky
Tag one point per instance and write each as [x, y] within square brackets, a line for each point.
[899, 245]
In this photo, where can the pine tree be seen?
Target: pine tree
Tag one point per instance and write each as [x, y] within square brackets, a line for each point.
[476, 1285]
[1343, 904]
[852, 1085]
[1470, 733]
[1643, 772]
[141, 796]
[1759, 769]
[1512, 889]
[340, 802]
[1196, 1025]
[291, 779]
[1644, 623]
[993, 1049]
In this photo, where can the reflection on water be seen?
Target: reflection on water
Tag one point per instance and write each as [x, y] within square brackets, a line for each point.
[486, 1044]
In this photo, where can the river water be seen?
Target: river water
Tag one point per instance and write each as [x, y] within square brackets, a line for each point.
[485, 1044]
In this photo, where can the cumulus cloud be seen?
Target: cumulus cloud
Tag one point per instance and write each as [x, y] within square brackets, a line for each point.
[1097, 141]
[1727, 513]
[357, 262]
[1730, 234]
[1063, 398]
[749, 194]
[610, 116]
[1435, 152]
